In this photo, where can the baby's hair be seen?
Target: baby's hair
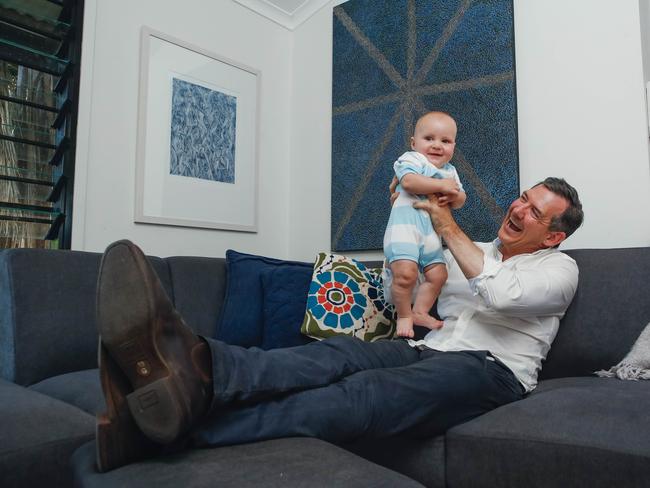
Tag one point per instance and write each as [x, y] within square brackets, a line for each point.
[436, 112]
[432, 112]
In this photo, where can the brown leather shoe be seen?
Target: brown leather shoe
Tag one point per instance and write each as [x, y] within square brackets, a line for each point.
[150, 344]
[118, 439]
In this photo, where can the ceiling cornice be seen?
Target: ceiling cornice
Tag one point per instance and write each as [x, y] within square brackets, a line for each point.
[288, 20]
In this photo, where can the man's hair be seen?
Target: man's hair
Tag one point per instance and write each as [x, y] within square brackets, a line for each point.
[569, 221]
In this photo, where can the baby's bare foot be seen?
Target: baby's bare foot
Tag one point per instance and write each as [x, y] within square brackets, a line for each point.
[426, 320]
[405, 327]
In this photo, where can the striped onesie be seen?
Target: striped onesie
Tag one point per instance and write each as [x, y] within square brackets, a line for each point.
[409, 233]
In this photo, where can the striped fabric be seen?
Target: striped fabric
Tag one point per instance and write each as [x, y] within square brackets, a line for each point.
[409, 233]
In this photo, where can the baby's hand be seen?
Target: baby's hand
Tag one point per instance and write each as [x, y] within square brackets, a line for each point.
[449, 192]
[455, 199]
[448, 198]
[449, 186]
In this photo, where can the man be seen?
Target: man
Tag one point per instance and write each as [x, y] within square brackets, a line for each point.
[501, 307]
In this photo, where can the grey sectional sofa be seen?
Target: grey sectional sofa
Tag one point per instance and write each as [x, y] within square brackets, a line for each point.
[575, 429]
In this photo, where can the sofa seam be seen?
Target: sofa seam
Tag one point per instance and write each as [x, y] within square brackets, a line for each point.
[171, 280]
[224, 304]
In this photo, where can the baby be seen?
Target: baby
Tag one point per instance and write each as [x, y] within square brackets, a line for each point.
[410, 243]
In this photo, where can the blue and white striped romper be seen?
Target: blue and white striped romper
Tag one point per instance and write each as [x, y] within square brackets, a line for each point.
[409, 233]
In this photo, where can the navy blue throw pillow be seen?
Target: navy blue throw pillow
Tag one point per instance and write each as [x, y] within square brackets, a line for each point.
[241, 321]
[285, 291]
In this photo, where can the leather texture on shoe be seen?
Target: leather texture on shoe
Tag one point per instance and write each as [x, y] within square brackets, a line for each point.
[150, 343]
[118, 439]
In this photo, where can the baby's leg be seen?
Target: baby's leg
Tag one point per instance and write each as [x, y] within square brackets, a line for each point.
[435, 276]
[405, 275]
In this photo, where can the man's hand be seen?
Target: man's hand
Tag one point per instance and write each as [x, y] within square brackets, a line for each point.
[392, 187]
[440, 214]
[468, 256]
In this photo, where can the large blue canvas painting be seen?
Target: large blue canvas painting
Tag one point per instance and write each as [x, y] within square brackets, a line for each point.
[203, 123]
[394, 61]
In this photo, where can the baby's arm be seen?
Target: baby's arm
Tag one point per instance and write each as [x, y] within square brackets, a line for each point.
[425, 185]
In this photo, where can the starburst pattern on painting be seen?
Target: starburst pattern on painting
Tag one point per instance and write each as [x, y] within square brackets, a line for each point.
[395, 61]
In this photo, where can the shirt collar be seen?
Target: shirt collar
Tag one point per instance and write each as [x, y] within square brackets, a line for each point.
[499, 255]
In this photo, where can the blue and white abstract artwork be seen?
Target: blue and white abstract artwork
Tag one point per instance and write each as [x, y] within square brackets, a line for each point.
[203, 123]
[393, 61]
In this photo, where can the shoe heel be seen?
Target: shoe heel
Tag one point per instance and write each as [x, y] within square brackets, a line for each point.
[156, 411]
[111, 445]
[108, 453]
[118, 442]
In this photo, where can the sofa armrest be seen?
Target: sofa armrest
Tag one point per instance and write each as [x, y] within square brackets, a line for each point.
[39, 434]
[47, 312]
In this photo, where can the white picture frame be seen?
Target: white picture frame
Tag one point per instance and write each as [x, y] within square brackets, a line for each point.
[208, 178]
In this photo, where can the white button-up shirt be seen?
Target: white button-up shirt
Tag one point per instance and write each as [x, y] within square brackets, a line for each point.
[512, 309]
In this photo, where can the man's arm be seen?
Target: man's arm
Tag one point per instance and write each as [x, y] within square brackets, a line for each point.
[548, 288]
[545, 288]
[467, 254]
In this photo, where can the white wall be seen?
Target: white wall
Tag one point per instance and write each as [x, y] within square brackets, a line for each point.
[311, 149]
[581, 111]
[582, 115]
[581, 108]
[644, 11]
[105, 176]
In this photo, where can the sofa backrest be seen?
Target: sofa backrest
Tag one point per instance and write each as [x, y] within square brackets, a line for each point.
[47, 309]
[47, 312]
[610, 309]
[199, 287]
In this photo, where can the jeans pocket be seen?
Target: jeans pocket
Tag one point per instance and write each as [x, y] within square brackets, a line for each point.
[503, 376]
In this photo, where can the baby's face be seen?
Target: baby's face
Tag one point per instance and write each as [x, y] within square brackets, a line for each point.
[435, 138]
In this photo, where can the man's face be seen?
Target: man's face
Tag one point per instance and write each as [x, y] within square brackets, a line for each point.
[525, 228]
[435, 138]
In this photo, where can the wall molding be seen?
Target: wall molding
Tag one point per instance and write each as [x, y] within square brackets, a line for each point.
[288, 20]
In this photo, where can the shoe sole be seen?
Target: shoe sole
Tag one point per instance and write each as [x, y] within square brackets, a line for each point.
[156, 402]
[118, 439]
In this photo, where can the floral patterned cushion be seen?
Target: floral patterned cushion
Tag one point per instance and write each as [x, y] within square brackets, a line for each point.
[346, 298]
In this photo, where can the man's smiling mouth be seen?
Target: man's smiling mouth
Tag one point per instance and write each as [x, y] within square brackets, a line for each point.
[511, 225]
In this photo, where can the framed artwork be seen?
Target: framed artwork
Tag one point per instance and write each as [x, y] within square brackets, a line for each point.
[394, 61]
[197, 137]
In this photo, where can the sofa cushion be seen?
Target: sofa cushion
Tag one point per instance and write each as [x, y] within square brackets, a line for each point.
[420, 459]
[295, 462]
[570, 432]
[81, 389]
[284, 290]
[39, 434]
[607, 314]
[346, 298]
[241, 320]
[47, 312]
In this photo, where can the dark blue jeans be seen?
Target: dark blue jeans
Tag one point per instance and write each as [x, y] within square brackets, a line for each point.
[341, 389]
